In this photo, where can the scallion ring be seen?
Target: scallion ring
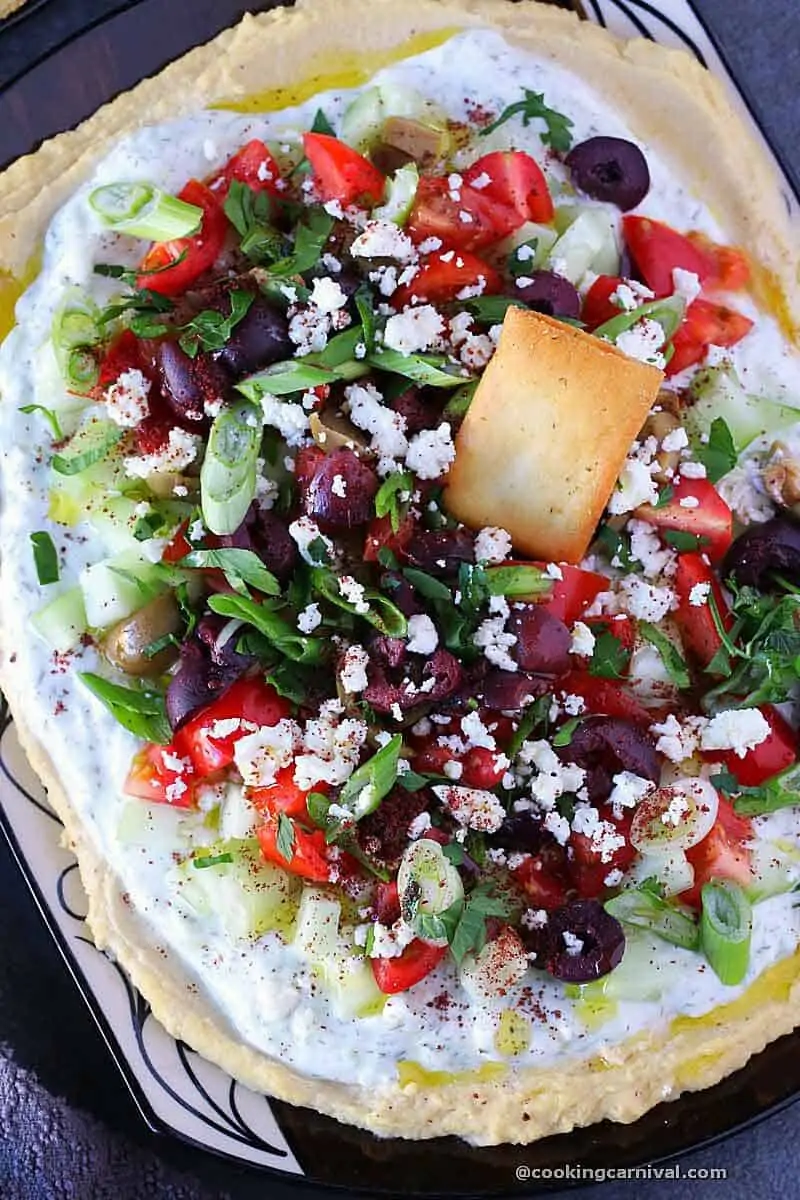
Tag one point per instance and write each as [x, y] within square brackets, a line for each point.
[726, 925]
[144, 211]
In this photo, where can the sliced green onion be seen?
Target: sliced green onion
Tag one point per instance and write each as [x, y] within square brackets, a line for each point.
[381, 613]
[491, 310]
[668, 652]
[388, 500]
[283, 378]
[429, 370]
[726, 925]
[782, 791]
[673, 923]
[521, 580]
[401, 191]
[144, 211]
[228, 474]
[457, 406]
[374, 779]
[278, 632]
[101, 440]
[49, 415]
[668, 313]
[427, 884]
[339, 351]
[211, 860]
[75, 331]
[45, 558]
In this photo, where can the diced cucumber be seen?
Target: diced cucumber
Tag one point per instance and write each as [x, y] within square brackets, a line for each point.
[248, 896]
[351, 985]
[115, 519]
[718, 392]
[671, 868]
[164, 830]
[541, 239]
[401, 190]
[776, 867]
[645, 972]
[116, 587]
[362, 120]
[62, 622]
[317, 932]
[237, 817]
[590, 242]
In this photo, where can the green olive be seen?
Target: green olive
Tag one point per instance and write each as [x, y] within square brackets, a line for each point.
[126, 643]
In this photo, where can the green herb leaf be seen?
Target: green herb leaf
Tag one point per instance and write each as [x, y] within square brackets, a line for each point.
[321, 124]
[558, 133]
[374, 779]
[211, 860]
[412, 781]
[609, 657]
[684, 543]
[387, 559]
[469, 933]
[385, 616]
[718, 455]
[285, 838]
[210, 330]
[617, 548]
[519, 579]
[161, 643]
[665, 496]
[564, 735]
[278, 631]
[429, 370]
[318, 551]
[246, 208]
[520, 264]
[45, 558]
[50, 417]
[283, 378]
[240, 567]
[310, 238]
[427, 586]
[670, 656]
[644, 909]
[457, 406]
[491, 310]
[394, 496]
[365, 303]
[142, 713]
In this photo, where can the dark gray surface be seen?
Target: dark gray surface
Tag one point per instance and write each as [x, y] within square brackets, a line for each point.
[67, 1125]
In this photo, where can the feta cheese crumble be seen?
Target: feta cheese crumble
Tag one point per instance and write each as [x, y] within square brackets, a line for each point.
[492, 545]
[739, 730]
[422, 635]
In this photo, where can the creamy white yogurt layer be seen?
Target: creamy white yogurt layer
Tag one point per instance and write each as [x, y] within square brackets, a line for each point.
[265, 990]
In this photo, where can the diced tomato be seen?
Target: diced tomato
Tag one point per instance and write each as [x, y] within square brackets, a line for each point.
[387, 902]
[443, 275]
[283, 796]
[162, 774]
[722, 854]
[604, 697]
[251, 700]
[695, 506]
[698, 629]
[380, 535]
[657, 249]
[705, 324]
[122, 355]
[192, 256]
[419, 958]
[479, 766]
[775, 754]
[253, 165]
[470, 222]
[515, 180]
[309, 857]
[588, 872]
[178, 546]
[341, 173]
[543, 880]
[573, 592]
[597, 304]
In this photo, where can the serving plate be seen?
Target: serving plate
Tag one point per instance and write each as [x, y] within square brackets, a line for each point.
[176, 1091]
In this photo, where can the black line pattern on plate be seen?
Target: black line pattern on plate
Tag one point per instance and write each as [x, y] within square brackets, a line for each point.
[632, 10]
[232, 1125]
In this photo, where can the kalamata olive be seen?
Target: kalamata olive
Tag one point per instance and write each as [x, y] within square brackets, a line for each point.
[187, 383]
[263, 532]
[383, 692]
[550, 294]
[441, 552]
[763, 551]
[511, 691]
[340, 492]
[401, 593]
[384, 832]
[125, 644]
[610, 169]
[583, 942]
[520, 831]
[417, 414]
[543, 641]
[260, 338]
[208, 667]
[390, 651]
[605, 746]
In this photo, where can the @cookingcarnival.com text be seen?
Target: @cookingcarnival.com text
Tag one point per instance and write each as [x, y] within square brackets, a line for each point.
[570, 1172]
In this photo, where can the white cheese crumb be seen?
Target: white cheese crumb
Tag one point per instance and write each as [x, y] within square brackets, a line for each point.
[431, 452]
[327, 295]
[420, 824]
[387, 428]
[643, 342]
[353, 670]
[645, 601]
[339, 486]
[413, 329]
[558, 826]
[384, 239]
[180, 451]
[492, 544]
[303, 532]
[353, 592]
[627, 791]
[309, 618]
[422, 635]
[686, 284]
[126, 399]
[677, 439]
[472, 807]
[260, 755]
[492, 638]
[698, 596]
[290, 420]
[583, 640]
[740, 730]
